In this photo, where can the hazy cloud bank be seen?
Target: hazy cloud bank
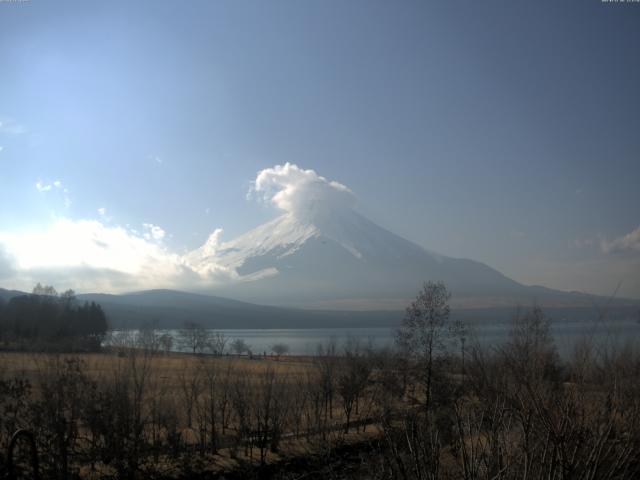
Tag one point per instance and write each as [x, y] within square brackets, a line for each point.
[89, 256]
[92, 254]
[627, 243]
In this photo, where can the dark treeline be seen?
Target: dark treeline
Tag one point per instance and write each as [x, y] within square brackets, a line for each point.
[438, 406]
[51, 321]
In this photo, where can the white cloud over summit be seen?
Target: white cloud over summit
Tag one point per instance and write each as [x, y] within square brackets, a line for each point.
[301, 192]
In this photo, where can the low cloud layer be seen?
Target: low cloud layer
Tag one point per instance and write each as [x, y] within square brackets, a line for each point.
[627, 243]
[95, 255]
[301, 192]
[88, 255]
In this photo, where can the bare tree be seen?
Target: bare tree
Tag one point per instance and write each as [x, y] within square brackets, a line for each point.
[299, 402]
[223, 396]
[191, 385]
[165, 341]
[121, 341]
[422, 331]
[241, 399]
[326, 361]
[280, 349]
[239, 346]
[270, 404]
[193, 337]
[212, 383]
[45, 290]
[353, 377]
[217, 343]
[148, 338]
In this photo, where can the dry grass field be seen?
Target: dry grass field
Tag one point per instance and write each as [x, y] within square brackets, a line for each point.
[221, 411]
[172, 367]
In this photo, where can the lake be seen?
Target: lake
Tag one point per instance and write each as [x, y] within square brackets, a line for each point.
[305, 341]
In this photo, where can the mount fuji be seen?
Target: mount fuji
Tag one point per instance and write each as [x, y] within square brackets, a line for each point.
[337, 258]
[323, 254]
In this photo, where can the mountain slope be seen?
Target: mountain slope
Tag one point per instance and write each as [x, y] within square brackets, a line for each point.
[342, 259]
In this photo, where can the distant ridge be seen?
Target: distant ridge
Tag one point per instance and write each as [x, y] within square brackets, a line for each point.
[171, 309]
[6, 295]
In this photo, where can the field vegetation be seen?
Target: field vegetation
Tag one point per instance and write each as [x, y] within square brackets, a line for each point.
[436, 407]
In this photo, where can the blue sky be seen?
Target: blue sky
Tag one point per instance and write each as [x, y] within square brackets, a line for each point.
[506, 132]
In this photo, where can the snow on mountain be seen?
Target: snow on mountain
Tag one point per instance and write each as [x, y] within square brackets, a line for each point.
[322, 253]
[338, 256]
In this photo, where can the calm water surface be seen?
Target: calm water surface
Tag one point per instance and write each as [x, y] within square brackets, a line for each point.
[306, 341]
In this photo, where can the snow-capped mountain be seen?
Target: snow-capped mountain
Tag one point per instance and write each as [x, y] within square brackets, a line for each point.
[321, 253]
[338, 258]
